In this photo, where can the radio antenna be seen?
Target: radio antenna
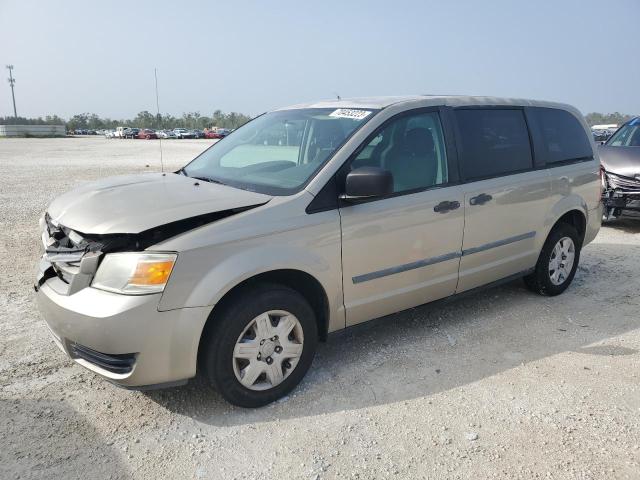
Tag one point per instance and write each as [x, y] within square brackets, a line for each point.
[159, 118]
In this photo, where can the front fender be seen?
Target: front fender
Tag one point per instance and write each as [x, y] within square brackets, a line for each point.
[206, 273]
[249, 263]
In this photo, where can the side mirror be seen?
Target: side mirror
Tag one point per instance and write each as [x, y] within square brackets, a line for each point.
[368, 182]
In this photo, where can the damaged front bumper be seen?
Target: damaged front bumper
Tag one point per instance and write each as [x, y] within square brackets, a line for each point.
[619, 194]
[123, 338]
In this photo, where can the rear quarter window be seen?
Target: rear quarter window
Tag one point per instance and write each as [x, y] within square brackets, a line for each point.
[563, 139]
[493, 142]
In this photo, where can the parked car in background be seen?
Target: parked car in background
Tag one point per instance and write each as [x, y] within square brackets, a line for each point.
[198, 134]
[166, 134]
[311, 219]
[620, 159]
[131, 132]
[119, 132]
[147, 134]
[218, 133]
[184, 133]
[601, 136]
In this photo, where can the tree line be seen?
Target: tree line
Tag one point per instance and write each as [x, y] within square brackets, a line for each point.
[618, 118]
[144, 119]
[195, 120]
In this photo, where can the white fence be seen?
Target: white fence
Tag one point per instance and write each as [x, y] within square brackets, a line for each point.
[32, 130]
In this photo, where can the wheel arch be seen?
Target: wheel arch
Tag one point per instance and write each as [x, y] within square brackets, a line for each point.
[576, 218]
[571, 209]
[302, 282]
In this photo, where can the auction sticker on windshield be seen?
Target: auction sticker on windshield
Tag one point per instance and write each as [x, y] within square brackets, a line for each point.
[350, 113]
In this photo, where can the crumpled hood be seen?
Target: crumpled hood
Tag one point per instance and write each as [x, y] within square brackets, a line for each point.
[621, 160]
[135, 203]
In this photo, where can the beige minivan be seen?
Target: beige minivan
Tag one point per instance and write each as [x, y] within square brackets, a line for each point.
[308, 220]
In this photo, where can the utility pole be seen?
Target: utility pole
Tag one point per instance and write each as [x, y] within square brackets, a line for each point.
[12, 82]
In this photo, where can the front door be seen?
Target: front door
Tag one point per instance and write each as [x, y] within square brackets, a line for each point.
[403, 250]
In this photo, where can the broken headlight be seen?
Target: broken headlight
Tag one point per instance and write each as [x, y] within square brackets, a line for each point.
[134, 273]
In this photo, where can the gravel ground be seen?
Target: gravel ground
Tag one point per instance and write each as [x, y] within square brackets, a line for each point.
[501, 384]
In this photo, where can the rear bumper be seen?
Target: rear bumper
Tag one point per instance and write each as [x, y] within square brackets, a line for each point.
[594, 222]
[125, 339]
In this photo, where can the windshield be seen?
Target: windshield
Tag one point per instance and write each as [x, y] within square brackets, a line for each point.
[278, 152]
[627, 136]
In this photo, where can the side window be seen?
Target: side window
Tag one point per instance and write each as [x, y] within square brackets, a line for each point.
[364, 158]
[412, 148]
[493, 142]
[562, 135]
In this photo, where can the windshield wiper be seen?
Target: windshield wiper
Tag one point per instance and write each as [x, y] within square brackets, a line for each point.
[210, 180]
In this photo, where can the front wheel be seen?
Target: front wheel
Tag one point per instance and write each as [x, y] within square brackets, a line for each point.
[557, 263]
[263, 343]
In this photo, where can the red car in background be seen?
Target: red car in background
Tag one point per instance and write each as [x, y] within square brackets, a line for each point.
[220, 133]
[147, 133]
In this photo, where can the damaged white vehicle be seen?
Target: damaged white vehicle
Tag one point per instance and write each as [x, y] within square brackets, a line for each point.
[308, 220]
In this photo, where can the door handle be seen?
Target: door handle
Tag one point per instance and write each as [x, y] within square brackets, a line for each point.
[446, 206]
[480, 199]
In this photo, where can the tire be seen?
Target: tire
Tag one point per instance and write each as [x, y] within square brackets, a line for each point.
[226, 366]
[550, 281]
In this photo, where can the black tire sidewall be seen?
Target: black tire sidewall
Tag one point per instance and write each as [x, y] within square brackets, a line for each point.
[543, 281]
[244, 307]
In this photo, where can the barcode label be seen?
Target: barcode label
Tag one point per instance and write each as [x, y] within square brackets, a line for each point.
[350, 113]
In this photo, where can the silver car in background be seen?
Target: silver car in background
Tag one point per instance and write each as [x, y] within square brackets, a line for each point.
[620, 157]
[183, 133]
[308, 220]
[166, 134]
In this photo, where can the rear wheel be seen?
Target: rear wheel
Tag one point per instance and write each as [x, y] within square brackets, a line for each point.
[262, 345]
[557, 263]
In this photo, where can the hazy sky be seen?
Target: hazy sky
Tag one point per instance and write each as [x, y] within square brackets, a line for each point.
[250, 56]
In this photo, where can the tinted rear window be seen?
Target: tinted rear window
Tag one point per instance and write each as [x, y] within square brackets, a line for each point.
[494, 142]
[562, 135]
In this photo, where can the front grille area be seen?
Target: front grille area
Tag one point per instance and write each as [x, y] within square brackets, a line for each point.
[69, 256]
[121, 364]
